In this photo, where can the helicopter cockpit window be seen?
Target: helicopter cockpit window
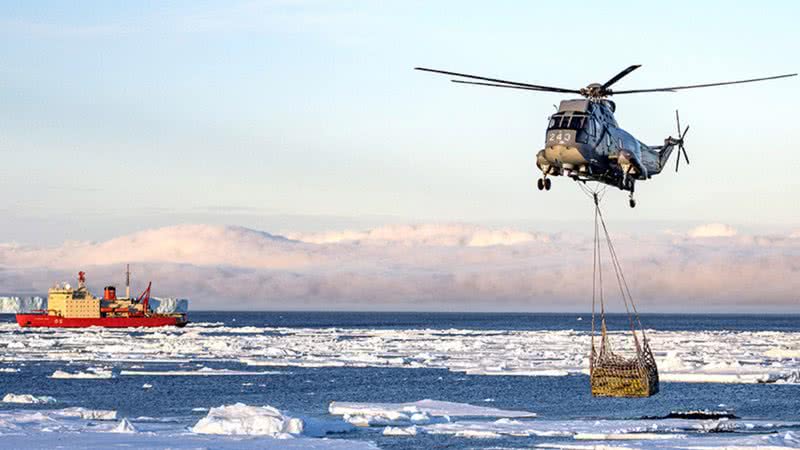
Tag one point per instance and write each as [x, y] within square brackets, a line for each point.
[569, 122]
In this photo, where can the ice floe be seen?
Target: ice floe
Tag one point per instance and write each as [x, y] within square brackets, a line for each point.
[87, 414]
[241, 419]
[91, 429]
[91, 373]
[400, 431]
[416, 413]
[124, 426]
[28, 398]
[205, 371]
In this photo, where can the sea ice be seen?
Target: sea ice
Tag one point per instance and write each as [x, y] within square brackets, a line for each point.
[400, 431]
[76, 428]
[27, 398]
[429, 407]
[87, 414]
[91, 373]
[124, 426]
[205, 371]
[241, 419]
[413, 413]
[690, 356]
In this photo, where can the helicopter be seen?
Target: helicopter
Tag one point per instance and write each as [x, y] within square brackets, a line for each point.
[583, 140]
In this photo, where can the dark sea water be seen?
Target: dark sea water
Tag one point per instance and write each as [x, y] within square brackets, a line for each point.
[499, 321]
[308, 391]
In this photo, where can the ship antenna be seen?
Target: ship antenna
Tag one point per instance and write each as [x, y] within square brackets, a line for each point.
[128, 281]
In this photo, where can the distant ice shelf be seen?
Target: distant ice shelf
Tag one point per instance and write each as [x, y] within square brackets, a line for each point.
[13, 305]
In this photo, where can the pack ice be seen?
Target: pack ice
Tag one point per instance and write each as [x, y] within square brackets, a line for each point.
[682, 356]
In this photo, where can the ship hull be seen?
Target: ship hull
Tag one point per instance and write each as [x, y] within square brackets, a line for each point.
[44, 320]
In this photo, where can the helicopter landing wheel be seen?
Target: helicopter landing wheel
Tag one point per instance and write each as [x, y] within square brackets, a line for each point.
[547, 184]
[632, 203]
[540, 184]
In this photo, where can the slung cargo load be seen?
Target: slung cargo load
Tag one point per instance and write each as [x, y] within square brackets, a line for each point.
[612, 374]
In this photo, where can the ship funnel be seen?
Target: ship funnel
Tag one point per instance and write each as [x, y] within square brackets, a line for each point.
[110, 293]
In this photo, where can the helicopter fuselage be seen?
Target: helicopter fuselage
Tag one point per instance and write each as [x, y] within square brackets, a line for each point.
[584, 142]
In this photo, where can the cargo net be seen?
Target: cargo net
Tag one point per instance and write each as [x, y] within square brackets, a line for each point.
[628, 371]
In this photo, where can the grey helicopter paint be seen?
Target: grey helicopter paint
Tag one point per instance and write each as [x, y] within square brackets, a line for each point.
[584, 142]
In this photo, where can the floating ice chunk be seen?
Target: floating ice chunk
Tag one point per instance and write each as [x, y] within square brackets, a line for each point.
[399, 431]
[477, 434]
[429, 407]
[124, 426]
[627, 436]
[8, 370]
[147, 386]
[91, 373]
[27, 398]
[241, 419]
[205, 371]
[87, 414]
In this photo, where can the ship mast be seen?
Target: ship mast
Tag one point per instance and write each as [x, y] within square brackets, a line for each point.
[128, 281]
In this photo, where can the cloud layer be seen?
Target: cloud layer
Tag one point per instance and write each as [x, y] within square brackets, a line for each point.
[423, 267]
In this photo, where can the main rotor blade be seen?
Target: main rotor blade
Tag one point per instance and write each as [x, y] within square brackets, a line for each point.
[618, 76]
[684, 154]
[693, 86]
[510, 86]
[495, 80]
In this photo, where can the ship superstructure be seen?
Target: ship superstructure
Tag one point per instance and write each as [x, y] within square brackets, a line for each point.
[71, 307]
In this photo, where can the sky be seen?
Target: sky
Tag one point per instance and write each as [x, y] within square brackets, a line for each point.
[298, 117]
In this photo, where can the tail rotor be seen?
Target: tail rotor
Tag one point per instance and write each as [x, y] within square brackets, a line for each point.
[681, 148]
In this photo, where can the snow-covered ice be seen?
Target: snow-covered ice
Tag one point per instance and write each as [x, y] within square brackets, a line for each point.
[241, 419]
[124, 426]
[205, 371]
[683, 356]
[28, 398]
[87, 414]
[400, 431]
[79, 428]
[91, 373]
[11, 305]
[430, 407]
[413, 413]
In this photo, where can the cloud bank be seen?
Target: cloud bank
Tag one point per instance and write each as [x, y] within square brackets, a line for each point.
[423, 267]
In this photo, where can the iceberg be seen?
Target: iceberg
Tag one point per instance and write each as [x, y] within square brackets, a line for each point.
[169, 305]
[13, 305]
